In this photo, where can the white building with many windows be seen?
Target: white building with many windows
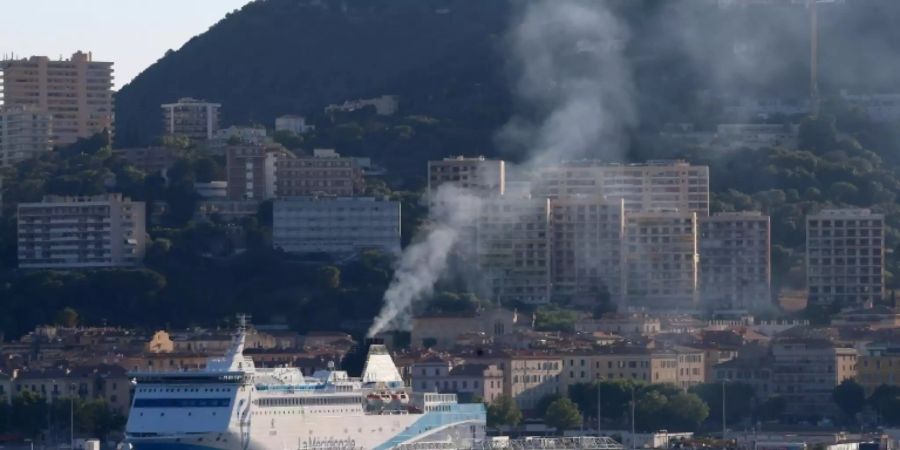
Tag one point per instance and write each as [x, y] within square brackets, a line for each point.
[735, 262]
[336, 225]
[81, 232]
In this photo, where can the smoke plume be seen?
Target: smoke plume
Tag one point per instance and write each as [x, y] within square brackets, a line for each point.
[576, 93]
[422, 263]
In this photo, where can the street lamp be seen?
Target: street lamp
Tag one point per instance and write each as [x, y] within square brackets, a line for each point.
[632, 416]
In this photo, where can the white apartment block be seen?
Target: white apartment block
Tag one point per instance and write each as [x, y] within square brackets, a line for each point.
[77, 92]
[336, 225]
[81, 232]
[735, 261]
[655, 185]
[661, 260]
[25, 132]
[587, 235]
[192, 118]
[512, 247]
[480, 175]
[845, 257]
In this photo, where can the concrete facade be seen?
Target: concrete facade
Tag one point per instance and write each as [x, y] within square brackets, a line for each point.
[337, 226]
[655, 185]
[25, 132]
[480, 175]
[325, 173]
[195, 119]
[661, 260]
[81, 232]
[735, 261]
[77, 92]
[845, 257]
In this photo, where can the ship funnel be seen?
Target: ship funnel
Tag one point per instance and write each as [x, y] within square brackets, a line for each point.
[380, 368]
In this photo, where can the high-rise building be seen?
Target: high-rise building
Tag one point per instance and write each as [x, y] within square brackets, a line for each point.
[655, 185]
[251, 170]
[325, 173]
[661, 260]
[81, 232]
[480, 175]
[25, 132]
[805, 372]
[195, 119]
[735, 263]
[336, 225]
[77, 92]
[587, 237]
[845, 257]
[512, 247]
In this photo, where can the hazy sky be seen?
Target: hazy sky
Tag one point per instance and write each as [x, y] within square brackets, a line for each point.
[131, 33]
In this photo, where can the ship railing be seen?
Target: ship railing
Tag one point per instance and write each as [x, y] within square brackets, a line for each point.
[550, 443]
[429, 446]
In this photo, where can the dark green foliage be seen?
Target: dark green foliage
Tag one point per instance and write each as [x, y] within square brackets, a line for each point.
[772, 408]
[886, 403]
[562, 414]
[739, 401]
[503, 411]
[554, 318]
[850, 397]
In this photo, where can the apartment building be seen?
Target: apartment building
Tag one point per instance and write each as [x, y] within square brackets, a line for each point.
[81, 232]
[251, 170]
[620, 363]
[527, 378]
[586, 238]
[470, 382]
[879, 364]
[325, 173]
[444, 331]
[336, 225]
[77, 92]
[691, 364]
[25, 132]
[805, 372]
[735, 261]
[106, 382]
[655, 185]
[195, 119]
[480, 175]
[661, 260]
[845, 257]
[513, 249]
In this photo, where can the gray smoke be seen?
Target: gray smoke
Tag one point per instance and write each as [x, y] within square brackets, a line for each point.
[576, 85]
[574, 81]
[422, 263]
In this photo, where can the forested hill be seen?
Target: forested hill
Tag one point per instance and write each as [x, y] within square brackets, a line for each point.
[276, 57]
[446, 60]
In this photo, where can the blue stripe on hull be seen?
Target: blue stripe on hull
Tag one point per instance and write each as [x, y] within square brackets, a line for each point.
[169, 446]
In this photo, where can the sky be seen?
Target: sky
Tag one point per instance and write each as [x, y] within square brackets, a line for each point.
[131, 33]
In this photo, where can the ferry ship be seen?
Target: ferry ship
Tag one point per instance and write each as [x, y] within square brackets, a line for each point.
[231, 404]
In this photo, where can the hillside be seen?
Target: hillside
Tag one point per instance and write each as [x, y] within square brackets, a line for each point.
[276, 57]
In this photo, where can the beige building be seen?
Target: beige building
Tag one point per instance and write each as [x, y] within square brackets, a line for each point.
[661, 260]
[845, 257]
[251, 170]
[691, 366]
[107, 382]
[805, 372]
[325, 173]
[587, 237]
[81, 232]
[150, 160]
[443, 331]
[480, 175]
[528, 378]
[77, 92]
[622, 324]
[25, 132]
[195, 119]
[877, 366]
[513, 249]
[655, 185]
[735, 261]
[621, 363]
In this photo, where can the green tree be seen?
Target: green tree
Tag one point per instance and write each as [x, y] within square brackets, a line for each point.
[503, 411]
[850, 397]
[563, 414]
[738, 405]
[885, 400]
[544, 402]
[772, 408]
[29, 414]
[554, 318]
[329, 277]
[97, 419]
